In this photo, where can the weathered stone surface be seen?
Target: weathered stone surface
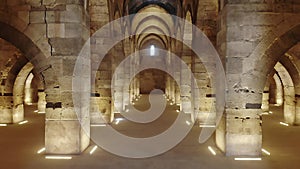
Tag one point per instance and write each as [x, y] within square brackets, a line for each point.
[60, 137]
[37, 17]
[66, 46]
[6, 115]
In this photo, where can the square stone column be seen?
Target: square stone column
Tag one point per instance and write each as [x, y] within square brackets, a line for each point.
[6, 109]
[66, 131]
[240, 132]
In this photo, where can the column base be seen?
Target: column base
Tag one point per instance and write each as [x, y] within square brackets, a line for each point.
[5, 115]
[243, 145]
[65, 137]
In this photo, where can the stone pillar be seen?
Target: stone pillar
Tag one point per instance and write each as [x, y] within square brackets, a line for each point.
[272, 91]
[28, 90]
[289, 108]
[177, 89]
[206, 113]
[101, 100]
[138, 86]
[96, 115]
[126, 90]
[131, 87]
[279, 90]
[18, 108]
[239, 133]
[118, 87]
[172, 91]
[167, 90]
[31, 90]
[66, 30]
[185, 81]
[41, 101]
[18, 98]
[177, 86]
[265, 101]
[6, 108]
[297, 116]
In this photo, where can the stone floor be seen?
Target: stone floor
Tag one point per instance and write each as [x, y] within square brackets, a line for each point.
[19, 144]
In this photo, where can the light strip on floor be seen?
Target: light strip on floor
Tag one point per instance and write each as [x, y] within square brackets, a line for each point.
[93, 150]
[41, 112]
[188, 123]
[117, 122]
[36, 111]
[247, 159]
[265, 151]
[285, 124]
[177, 111]
[23, 122]
[119, 119]
[212, 150]
[207, 125]
[98, 125]
[41, 150]
[270, 112]
[3, 125]
[265, 113]
[59, 157]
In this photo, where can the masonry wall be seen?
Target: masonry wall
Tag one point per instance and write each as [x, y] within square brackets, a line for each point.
[9, 56]
[242, 28]
[55, 32]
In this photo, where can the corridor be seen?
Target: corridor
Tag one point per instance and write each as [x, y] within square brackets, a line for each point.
[20, 144]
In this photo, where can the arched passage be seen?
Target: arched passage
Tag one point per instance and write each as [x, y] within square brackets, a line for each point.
[286, 79]
[60, 113]
[19, 92]
[277, 90]
[289, 93]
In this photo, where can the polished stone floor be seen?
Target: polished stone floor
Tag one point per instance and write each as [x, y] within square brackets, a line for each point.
[19, 145]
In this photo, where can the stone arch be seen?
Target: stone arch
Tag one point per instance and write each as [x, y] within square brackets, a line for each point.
[12, 28]
[289, 93]
[279, 90]
[25, 44]
[262, 60]
[156, 37]
[289, 70]
[31, 50]
[268, 52]
[275, 44]
[266, 95]
[18, 92]
[149, 32]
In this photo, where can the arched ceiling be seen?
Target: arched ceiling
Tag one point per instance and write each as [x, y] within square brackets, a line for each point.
[134, 6]
[152, 20]
[150, 25]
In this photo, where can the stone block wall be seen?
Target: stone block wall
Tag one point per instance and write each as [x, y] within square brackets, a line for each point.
[245, 30]
[55, 32]
[9, 56]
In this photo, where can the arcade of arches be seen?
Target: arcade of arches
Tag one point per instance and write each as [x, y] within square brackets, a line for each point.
[258, 43]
